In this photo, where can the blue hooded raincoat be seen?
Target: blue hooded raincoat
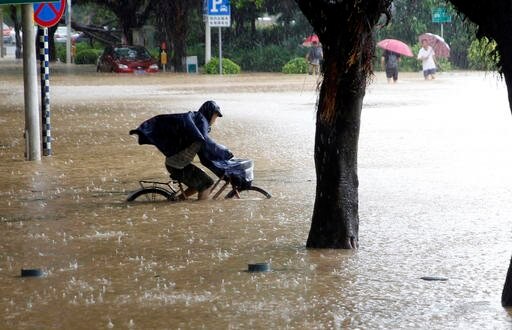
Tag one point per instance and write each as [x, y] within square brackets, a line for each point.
[172, 133]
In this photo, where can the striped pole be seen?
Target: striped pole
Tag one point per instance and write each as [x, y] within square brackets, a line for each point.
[44, 58]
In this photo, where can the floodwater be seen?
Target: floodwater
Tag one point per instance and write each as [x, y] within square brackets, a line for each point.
[435, 200]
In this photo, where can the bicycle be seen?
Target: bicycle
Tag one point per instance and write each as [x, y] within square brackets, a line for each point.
[172, 190]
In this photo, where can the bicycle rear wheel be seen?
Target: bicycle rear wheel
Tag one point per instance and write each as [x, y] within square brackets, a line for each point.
[150, 195]
[252, 192]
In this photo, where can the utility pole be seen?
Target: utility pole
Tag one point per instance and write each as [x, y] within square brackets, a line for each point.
[68, 37]
[220, 50]
[1, 39]
[207, 42]
[32, 114]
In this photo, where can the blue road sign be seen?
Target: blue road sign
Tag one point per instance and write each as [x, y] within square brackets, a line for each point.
[219, 8]
[48, 14]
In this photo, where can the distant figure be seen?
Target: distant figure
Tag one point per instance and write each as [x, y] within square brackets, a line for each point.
[390, 62]
[314, 56]
[427, 57]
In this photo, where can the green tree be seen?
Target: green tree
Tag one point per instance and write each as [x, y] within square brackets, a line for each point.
[483, 55]
[93, 14]
[173, 18]
[131, 14]
[412, 18]
[267, 48]
[244, 14]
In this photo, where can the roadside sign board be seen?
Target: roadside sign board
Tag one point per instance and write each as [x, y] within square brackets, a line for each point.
[219, 13]
[440, 15]
[47, 14]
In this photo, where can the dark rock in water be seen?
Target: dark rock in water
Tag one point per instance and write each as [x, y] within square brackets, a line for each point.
[434, 278]
[31, 273]
[259, 267]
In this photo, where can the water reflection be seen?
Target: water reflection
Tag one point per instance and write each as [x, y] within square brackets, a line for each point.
[430, 206]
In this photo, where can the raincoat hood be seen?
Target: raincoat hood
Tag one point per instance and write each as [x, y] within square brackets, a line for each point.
[208, 109]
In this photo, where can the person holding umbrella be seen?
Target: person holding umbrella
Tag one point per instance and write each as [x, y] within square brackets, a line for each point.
[314, 56]
[427, 57]
[390, 62]
[393, 50]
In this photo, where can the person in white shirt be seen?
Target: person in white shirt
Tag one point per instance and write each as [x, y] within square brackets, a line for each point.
[427, 57]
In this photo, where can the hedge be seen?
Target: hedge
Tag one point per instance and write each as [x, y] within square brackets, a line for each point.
[297, 65]
[228, 66]
[86, 56]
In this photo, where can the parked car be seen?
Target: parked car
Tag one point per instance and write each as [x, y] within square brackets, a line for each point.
[62, 32]
[7, 33]
[130, 59]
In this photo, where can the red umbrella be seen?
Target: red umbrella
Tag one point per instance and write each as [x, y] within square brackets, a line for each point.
[441, 48]
[308, 42]
[395, 46]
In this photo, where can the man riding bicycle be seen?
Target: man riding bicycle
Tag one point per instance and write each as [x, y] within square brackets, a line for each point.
[180, 137]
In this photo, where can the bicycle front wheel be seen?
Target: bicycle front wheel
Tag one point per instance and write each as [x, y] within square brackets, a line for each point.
[252, 192]
[150, 195]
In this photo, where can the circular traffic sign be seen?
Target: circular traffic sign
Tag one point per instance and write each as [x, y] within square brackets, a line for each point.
[47, 14]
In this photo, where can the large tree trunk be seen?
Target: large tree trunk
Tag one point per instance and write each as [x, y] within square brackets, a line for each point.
[506, 295]
[335, 222]
[345, 29]
[494, 20]
[505, 49]
[132, 14]
[177, 29]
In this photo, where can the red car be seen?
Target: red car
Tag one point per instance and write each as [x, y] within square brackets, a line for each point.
[128, 59]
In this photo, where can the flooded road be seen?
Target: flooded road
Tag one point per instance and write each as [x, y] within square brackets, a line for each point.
[435, 200]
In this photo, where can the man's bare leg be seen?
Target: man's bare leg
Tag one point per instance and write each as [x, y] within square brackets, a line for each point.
[187, 193]
[203, 195]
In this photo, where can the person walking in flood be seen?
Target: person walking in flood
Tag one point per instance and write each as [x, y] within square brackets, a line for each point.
[390, 62]
[314, 57]
[427, 57]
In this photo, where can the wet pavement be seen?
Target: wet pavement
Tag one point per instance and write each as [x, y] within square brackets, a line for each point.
[435, 200]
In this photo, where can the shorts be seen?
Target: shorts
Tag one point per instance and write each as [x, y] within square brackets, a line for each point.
[428, 72]
[192, 176]
[392, 73]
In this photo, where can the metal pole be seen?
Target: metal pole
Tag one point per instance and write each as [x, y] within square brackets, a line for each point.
[68, 37]
[32, 118]
[1, 39]
[442, 31]
[44, 58]
[220, 50]
[208, 42]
